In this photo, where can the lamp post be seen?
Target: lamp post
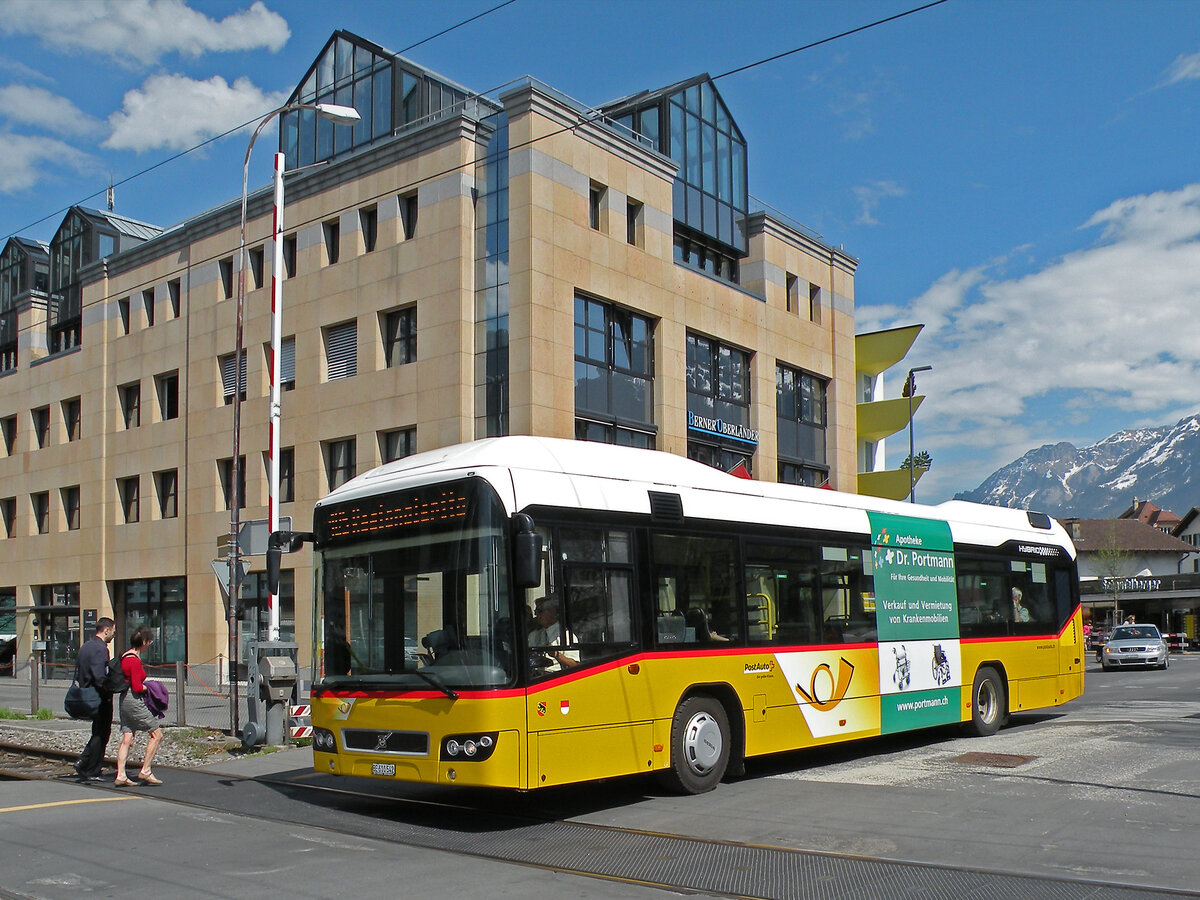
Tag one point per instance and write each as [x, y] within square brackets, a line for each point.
[910, 388]
[340, 115]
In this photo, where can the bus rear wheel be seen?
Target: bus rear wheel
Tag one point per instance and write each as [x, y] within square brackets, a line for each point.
[988, 704]
[699, 746]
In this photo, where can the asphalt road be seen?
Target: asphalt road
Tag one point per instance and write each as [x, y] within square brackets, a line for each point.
[1103, 792]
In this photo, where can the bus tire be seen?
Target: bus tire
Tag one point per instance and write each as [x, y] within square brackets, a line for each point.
[989, 705]
[700, 744]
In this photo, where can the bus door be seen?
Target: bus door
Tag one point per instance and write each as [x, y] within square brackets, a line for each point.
[589, 708]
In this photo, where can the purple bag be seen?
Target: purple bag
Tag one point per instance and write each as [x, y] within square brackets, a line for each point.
[157, 698]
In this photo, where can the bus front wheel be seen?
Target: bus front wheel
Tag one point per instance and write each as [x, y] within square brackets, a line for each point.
[988, 706]
[699, 746]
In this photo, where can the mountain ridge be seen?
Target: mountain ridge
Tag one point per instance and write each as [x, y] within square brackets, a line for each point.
[1161, 465]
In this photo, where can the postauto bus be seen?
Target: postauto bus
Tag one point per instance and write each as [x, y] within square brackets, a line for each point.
[522, 612]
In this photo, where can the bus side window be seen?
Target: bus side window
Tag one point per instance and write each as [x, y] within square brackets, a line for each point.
[782, 601]
[695, 573]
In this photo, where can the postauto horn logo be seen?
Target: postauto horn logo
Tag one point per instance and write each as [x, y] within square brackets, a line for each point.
[823, 675]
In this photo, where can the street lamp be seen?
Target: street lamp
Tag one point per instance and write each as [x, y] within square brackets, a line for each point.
[339, 115]
[910, 388]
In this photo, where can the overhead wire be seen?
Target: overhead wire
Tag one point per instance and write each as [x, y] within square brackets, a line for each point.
[407, 188]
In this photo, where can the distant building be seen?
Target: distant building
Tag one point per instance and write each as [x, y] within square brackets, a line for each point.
[456, 267]
[1145, 511]
[1127, 566]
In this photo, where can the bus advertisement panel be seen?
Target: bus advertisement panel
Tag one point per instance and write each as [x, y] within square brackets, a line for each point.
[916, 612]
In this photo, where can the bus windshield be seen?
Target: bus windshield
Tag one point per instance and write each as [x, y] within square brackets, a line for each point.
[413, 592]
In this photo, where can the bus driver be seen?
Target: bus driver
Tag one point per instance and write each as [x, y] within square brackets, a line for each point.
[548, 636]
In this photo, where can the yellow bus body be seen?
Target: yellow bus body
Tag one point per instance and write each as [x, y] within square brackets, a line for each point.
[616, 720]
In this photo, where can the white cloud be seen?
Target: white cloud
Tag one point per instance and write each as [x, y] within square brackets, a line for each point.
[141, 31]
[174, 112]
[869, 197]
[28, 160]
[1185, 68]
[1092, 342]
[37, 106]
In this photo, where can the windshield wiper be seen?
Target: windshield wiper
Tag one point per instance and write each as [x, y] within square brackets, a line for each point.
[436, 682]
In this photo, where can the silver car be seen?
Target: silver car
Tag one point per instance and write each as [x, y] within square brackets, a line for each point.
[1135, 645]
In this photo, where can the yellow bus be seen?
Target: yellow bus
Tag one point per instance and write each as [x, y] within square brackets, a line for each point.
[522, 612]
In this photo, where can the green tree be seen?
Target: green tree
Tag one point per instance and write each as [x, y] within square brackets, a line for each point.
[922, 461]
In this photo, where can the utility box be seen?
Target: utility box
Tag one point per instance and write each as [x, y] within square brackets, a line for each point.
[277, 677]
[270, 687]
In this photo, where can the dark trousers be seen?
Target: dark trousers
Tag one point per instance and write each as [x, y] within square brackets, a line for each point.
[92, 756]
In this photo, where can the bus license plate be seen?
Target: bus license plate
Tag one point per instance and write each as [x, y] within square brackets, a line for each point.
[383, 769]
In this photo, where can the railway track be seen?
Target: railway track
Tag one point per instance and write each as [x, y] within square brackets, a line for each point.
[33, 763]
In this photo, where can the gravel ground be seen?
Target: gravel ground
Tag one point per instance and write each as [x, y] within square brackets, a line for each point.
[181, 747]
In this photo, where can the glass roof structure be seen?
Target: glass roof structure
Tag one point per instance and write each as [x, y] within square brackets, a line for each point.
[690, 123]
[388, 91]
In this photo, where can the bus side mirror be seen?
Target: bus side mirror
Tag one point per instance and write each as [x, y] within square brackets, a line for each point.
[527, 553]
[279, 543]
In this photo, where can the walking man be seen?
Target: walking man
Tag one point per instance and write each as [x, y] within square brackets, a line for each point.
[91, 666]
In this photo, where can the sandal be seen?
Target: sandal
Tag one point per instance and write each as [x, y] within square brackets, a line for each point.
[148, 779]
[124, 782]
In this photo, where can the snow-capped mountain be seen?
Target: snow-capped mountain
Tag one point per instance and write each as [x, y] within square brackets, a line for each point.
[1157, 464]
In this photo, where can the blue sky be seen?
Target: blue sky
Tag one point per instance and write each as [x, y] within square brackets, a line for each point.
[1019, 176]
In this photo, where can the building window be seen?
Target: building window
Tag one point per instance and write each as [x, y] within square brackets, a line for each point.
[408, 215]
[148, 306]
[634, 223]
[596, 194]
[368, 220]
[131, 404]
[173, 292]
[123, 309]
[257, 266]
[70, 502]
[8, 430]
[793, 292]
[614, 374]
[130, 491]
[41, 511]
[225, 471]
[8, 514]
[341, 350]
[801, 421]
[400, 336]
[166, 485]
[167, 388]
[287, 474]
[814, 303]
[287, 364]
[289, 255]
[71, 410]
[226, 266]
[718, 404]
[227, 377]
[41, 426]
[339, 461]
[333, 240]
[161, 605]
[397, 444]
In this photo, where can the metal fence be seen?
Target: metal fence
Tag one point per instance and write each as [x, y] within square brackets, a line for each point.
[200, 695]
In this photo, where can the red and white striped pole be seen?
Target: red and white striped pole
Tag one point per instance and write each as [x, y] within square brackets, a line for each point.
[273, 367]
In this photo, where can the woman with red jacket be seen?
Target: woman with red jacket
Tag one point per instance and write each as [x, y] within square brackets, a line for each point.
[135, 715]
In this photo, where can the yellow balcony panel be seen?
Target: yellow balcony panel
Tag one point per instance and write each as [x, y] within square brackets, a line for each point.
[877, 420]
[890, 484]
[877, 351]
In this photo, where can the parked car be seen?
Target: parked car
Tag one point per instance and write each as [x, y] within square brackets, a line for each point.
[1135, 645]
[8, 651]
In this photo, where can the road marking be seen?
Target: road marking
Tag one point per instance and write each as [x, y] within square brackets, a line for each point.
[7, 809]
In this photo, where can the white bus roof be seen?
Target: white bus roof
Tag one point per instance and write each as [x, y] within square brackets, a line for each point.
[538, 471]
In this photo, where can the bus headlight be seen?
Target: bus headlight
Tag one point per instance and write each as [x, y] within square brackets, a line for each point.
[324, 741]
[474, 747]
